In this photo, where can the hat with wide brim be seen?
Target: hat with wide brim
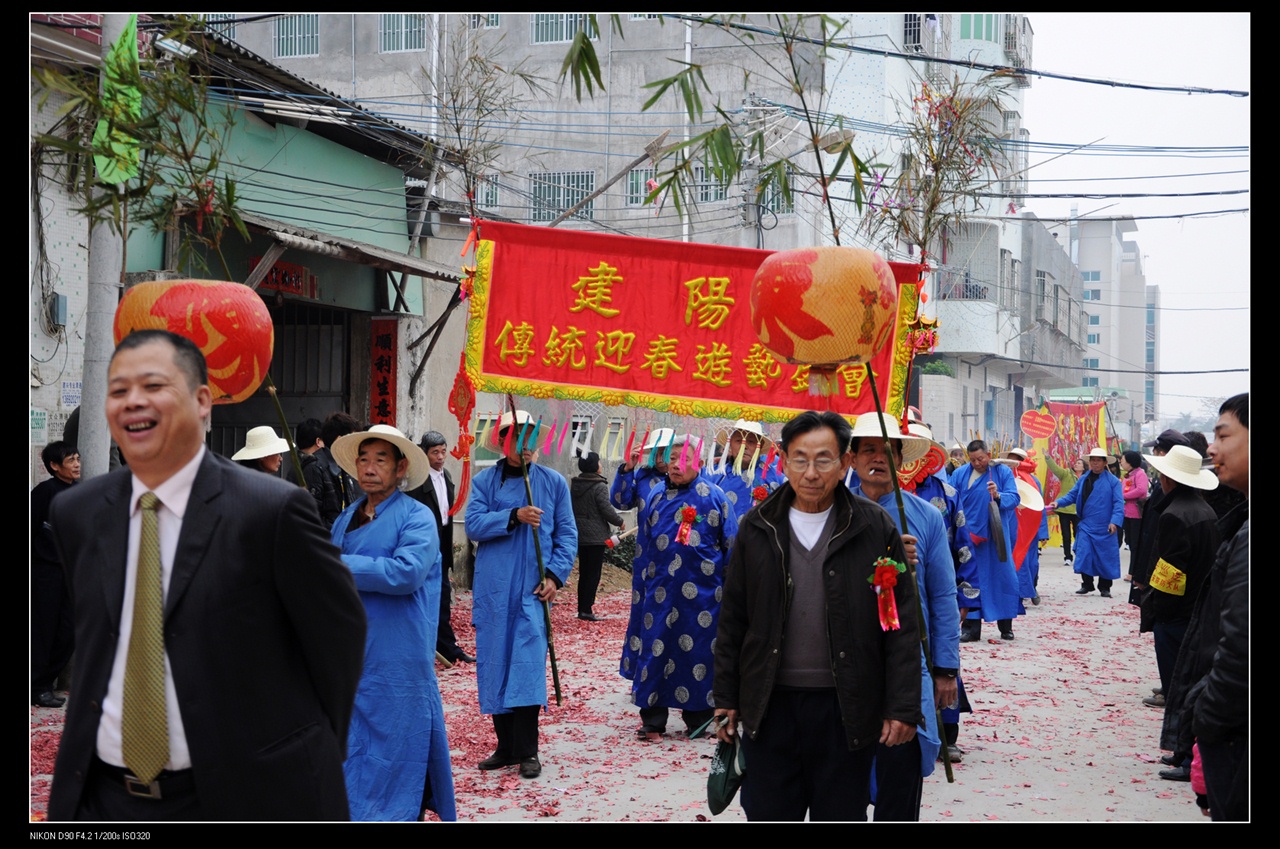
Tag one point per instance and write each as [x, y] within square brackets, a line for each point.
[1100, 453]
[261, 442]
[723, 437]
[1183, 465]
[1017, 452]
[913, 447]
[522, 418]
[347, 448]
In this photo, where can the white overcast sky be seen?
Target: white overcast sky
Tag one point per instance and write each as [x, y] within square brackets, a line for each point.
[1201, 264]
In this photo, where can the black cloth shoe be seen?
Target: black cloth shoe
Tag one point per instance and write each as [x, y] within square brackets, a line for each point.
[530, 767]
[971, 631]
[47, 699]
[1178, 773]
[463, 657]
[497, 761]
[1084, 590]
[589, 617]
[1169, 760]
[1105, 593]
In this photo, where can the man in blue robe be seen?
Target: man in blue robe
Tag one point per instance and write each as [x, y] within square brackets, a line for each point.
[900, 770]
[978, 483]
[397, 749]
[508, 596]
[1099, 501]
[743, 467]
[687, 528]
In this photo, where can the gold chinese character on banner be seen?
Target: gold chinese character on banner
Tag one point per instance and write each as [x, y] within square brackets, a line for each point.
[800, 379]
[712, 306]
[760, 366]
[514, 341]
[611, 347]
[596, 292]
[854, 376]
[564, 348]
[713, 365]
[661, 358]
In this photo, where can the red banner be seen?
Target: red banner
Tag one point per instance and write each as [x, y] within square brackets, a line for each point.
[384, 343]
[649, 323]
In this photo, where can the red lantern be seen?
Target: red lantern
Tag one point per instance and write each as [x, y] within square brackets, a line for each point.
[227, 321]
[825, 306]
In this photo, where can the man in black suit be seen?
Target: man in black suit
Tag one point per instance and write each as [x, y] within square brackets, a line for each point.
[437, 493]
[220, 637]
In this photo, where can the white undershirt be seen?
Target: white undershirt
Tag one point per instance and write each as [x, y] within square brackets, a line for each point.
[173, 495]
[442, 496]
[807, 527]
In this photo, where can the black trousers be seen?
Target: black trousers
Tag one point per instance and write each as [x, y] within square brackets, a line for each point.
[52, 629]
[1086, 581]
[446, 640]
[106, 799]
[590, 565]
[1067, 521]
[656, 717]
[899, 784]
[517, 732]
[799, 762]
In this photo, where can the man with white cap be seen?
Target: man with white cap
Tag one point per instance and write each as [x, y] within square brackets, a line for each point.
[397, 751]
[900, 770]
[745, 449]
[1100, 505]
[508, 592]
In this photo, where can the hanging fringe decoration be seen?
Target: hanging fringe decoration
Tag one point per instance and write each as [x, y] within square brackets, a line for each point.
[551, 434]
[462, 400]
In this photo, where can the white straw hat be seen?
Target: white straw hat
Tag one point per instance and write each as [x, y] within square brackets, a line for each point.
[723, 437]
[347, 448]
[913, 447]
[261, 442]
[1182, 464]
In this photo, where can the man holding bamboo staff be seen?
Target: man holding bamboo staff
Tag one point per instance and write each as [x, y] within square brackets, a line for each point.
[520, 513]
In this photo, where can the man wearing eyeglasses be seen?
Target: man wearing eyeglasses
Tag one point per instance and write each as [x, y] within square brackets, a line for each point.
[817, 655]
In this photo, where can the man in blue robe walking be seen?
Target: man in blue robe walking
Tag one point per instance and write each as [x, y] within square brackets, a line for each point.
[397, 749]
[978, 483]
[1100, 505]
[508, 596]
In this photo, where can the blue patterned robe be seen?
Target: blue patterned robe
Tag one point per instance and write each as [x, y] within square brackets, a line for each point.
[669, 656]
[738, 489]
[995, 580]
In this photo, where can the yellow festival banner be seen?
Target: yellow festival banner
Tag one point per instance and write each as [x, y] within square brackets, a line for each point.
[652, 323]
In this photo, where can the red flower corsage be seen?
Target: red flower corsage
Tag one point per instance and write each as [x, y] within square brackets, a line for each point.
[688, 518]
[759, 494]
[883, 580]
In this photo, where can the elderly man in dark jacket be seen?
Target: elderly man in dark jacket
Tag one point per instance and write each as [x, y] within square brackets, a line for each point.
[812, 662]
[594, 515]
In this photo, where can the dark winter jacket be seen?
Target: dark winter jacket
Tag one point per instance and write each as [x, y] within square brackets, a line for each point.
[1186, 538]
[877, 672]
[591, 509]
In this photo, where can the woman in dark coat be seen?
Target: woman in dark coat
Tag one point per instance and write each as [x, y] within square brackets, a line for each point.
[594, 515]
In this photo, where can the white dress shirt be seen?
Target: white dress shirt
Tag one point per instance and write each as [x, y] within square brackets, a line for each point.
[173, 495]
[442, 495]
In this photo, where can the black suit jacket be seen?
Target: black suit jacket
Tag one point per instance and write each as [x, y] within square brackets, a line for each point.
[427, 495]
[264, 631]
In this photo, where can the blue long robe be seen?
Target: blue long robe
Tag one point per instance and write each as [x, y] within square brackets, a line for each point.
[629, 491]
[1096, 552]
[397, 734]
[511, 631]
[936, 581]
[679, 605]
[995, 580]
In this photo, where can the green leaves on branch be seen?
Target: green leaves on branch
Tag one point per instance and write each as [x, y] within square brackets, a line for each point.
[581, 64]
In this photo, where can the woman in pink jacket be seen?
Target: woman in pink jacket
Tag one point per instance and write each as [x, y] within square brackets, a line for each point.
[1135, 495]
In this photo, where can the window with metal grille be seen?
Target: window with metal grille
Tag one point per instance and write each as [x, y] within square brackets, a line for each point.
[402, 32]
[552, 192]
[487, 192]
[642, 16]
[637, 185]
[223, 23]
[773, 199]
[297, 35]
[485, 21]
[559, 27]
[709, 189]
[911, 32]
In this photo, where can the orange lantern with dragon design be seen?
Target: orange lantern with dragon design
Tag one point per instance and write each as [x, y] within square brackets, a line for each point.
[824, 306]
[228, 322]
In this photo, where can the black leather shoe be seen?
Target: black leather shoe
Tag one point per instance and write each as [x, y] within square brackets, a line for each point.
[589, 617]
[1168, 760]
[1105, 593]
[1035, 599]
[1006, 635]
[1178, 773]
[463, 657]
[497, 761]
[530, 767]
[48, 699]
[1084, 590]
